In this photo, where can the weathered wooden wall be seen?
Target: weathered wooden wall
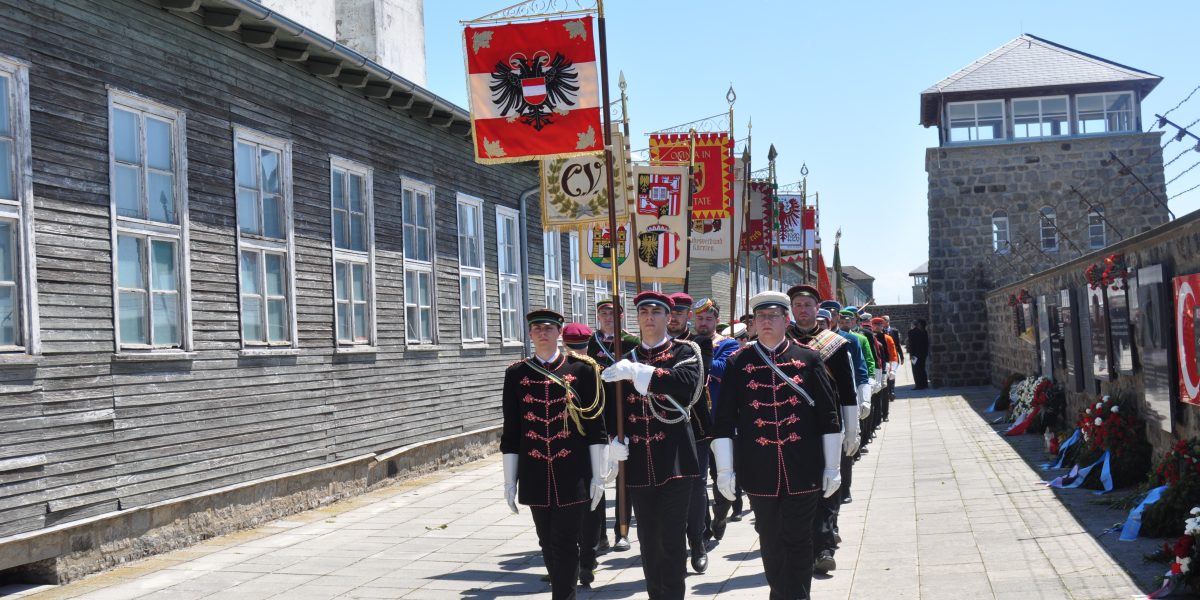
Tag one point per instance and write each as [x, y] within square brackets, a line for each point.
[116, 434]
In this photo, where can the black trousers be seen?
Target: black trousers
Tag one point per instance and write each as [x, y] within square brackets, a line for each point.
[847, 476]
[662, 522]
[558, 534]
[920, 377]
[888, 396]
[590, 532]
[697, 521]
[825, 521]
[784, 526]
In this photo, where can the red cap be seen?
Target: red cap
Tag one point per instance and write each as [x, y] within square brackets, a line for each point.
[682, 300]
[878, 321]
[576, 333]
[652, 297]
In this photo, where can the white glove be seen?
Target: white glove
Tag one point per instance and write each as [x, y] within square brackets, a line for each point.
[598, 453]
[726, 479]
[850, 430]
[627, 369]
[864, 401]
[875, 385]
[510, 480]
[831, 477]
[617, 450]
[891, 375]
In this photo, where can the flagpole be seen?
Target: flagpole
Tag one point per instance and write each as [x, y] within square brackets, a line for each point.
[687, 268]
[614, 254]
[637, 264]
[747, 159]
[774, 207]
[731, 97]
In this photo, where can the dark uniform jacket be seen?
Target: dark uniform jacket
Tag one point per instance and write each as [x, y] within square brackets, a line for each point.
[779, 450]
[660, 452]
[555, 468]
[835, 352]
[602, 352]
[702, 411]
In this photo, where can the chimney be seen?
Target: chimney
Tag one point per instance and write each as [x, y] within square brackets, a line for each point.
[317, 15]
[389, 32]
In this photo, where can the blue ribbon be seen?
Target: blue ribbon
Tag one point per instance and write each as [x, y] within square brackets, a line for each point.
[1133, 524]
[1077, 475]
[1062, 451]
[1106, 475]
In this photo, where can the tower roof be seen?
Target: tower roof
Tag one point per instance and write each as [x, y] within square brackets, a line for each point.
[1029, 63]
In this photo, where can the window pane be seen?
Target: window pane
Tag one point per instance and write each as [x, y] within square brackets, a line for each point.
[1025, 108]
[162, 267]
[270, 171]
[133, 318]
[8, 257]
[162, 198]
[1117, 102]
[360, 322]
[989, 110]
[275, 275]
[247, 207]
[166, 319]
[125, 136]
[8, 315]
[408, 206]
[422, 210]
[340, 283]
[273, 218]
[1054, 106]
[6, 168]
[959, 112]
[129, 187]
[158, 144]
[246, 173]
[4, 106]
[129, 262]
[338, 192]
[356, 193]
[343, 321]
[359, 288]
[423, 289]
[252, 320]
[358, 233]
[339, 229]
[422, 249]
[426, 324]
[277, 329]
[249, 274]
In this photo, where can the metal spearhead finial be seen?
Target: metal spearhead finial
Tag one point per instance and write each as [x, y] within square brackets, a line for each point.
[771, 154]
[621, 83]
[731, 96]
[804, 169]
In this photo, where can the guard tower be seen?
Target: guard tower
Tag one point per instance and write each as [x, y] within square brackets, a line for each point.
[1038, 148]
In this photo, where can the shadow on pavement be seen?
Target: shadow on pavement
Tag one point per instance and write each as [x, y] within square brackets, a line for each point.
[741, 582]
[1085, 506]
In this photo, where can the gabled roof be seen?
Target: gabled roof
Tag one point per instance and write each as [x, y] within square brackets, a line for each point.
[856, 274]
[1029, 62]
[921, 270]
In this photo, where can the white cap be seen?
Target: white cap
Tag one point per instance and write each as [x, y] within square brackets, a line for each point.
[765, 299]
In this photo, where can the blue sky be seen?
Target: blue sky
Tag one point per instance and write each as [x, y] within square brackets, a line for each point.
[836, 86]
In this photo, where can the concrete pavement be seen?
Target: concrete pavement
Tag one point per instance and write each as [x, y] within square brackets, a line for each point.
[944, 508]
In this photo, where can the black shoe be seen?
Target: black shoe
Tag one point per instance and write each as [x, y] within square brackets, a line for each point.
[718, 528]
[847, 499]
[837, 539]
[737, 508]
[699, 559]
[586, 577]
[621, 545]
[602, 547]
[825, 563]
[863, 450]
[546, 578]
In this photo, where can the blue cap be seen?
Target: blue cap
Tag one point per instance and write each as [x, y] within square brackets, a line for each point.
[824, 314]
[831, 305]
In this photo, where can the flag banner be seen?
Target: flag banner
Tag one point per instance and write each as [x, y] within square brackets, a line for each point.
[711, 237]
[1187, 336]
[662, 201]
[575, 189]
[713, 176]
[757, 234]
[824, 288]
[791, 218]
[534, 90]
[810, 228]
[595, 244]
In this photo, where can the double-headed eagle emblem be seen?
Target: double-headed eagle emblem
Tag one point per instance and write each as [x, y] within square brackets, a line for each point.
[534, 88]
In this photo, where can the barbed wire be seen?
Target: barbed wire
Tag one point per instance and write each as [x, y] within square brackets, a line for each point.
[1184, 192]
[1182, 173]
[1184, 101]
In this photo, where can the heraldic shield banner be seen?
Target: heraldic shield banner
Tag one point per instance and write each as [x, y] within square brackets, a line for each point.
[797, 228]
[534, 90]
[596, 246]
[575, 189]
[711, 238]
[1187, 335]
[757, 234]
[661, 197]
[714, 168]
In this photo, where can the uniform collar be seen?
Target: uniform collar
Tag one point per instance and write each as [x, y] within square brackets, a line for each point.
[547, 363]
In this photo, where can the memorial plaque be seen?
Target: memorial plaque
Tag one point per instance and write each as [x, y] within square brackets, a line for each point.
[1150, 310]
[1100, 355]
[1028, 322]
[1121, 328]
[1068, 325]
[1045, 357]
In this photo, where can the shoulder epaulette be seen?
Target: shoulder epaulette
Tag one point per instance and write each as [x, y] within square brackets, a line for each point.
[583, 358]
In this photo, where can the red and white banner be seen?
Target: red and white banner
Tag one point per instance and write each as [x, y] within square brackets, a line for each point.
[534, 90]
[661, 194]
[758, 228]
[713, 174]
[1187, 328]
[711, 238]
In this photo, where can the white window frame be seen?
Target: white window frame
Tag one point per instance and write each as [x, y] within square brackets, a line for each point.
[1001, 246]
[477, 273]
[975, 107]
[1077, 124]
[1097, 228]
[352, 258]
[147, 229]
[552, 269]
[426, 267]
[579, 299]
[1047, 224]
[262, 245]
[505, 215]
[19, 209]
[1042, 116]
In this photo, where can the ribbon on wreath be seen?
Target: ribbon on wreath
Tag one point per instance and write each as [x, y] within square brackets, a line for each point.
[1133, 523]
[1062, 451]
[1021, 426]
[1075, 478]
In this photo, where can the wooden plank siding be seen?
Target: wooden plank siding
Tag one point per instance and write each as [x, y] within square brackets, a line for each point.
[123, 434]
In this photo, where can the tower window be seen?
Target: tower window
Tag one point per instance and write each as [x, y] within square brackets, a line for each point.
[976, 121]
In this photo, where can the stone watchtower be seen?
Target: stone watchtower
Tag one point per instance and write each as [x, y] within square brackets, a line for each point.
[1038, 145]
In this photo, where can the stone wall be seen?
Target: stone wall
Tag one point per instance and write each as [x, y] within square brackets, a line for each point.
[903, 316]
[1176, 246]
[968, 184]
